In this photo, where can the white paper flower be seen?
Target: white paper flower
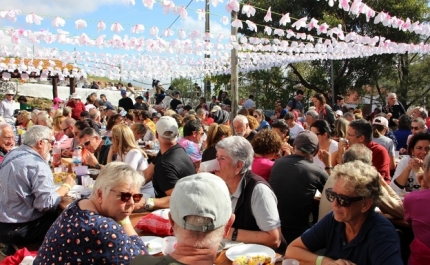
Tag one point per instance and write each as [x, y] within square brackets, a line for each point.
[251, 25]
[232, 5]
[148, 3]
[182, 34]
[285, 19]
[153, 31]
[58, 22]
[268, 30]
[201, 14]
[116, 27]
[80, 24]
[138, 28]
[268, 16]
[101, 26]
[248, 10]
[224, 20]
[237, 23]
[33, 18]
[301, 23]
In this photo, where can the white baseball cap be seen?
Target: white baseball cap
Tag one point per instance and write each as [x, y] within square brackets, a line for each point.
[167, 127]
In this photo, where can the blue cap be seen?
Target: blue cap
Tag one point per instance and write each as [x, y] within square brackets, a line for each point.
[123, 92]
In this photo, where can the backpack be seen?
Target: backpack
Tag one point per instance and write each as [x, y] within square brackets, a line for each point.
[294, 103]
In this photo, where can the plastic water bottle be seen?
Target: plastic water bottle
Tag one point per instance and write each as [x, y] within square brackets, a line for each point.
[77, 157]
[156, 145]
[103, 129]
[56, 155]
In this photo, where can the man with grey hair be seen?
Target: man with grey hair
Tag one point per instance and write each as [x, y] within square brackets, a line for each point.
[349, 116]
[311, 117]
[171, 164]
[241, 128]
[200, 214]
[390, 202]
[7, 139]
[295, 179]
[253, 201]
[28, 198]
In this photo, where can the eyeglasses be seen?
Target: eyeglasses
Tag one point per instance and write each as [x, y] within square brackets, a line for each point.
[65, 129]
[126, 196]
[52, 142]
[344, 201]
[415, 128]
[87, 143]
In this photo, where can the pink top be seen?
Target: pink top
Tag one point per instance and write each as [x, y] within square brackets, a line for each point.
[262, 166]
[413, 206]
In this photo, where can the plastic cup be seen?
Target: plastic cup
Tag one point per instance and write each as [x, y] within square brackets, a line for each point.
[290, 262]
[209, 166]
[169, 245]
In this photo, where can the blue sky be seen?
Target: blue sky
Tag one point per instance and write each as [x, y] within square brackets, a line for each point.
[109, 12]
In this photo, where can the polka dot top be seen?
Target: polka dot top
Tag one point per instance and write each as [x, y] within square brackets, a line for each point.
[85, 237]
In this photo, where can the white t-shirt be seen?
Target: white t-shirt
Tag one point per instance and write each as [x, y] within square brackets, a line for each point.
[412, 183]
[332, 148]
[297, 128]
[6, 110]
[136, 160]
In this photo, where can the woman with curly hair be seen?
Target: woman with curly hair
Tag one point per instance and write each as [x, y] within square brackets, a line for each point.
[267, 145]
[253, 123]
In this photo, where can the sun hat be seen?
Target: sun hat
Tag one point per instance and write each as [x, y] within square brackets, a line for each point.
[10, 92]
[203, 195]
[167, 127]
[57, 100]
[75, 96]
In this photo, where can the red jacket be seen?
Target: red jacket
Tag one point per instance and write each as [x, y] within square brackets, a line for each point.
[76, 109]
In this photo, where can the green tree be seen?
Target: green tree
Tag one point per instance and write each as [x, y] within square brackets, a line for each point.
[186, 87]
[353, 74]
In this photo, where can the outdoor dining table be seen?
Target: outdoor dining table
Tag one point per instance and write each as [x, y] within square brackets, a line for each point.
[135, 217]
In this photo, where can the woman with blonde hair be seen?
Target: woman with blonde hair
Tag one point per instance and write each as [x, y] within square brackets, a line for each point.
[340, 128]
[139, 131]
[127, 150]
[24, 119]
[216, 133]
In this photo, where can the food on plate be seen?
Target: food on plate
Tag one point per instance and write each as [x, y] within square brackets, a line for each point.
[254, 260]
[59, 176]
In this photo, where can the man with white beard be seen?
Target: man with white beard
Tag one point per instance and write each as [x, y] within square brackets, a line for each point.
[28, 198]
[241, 128]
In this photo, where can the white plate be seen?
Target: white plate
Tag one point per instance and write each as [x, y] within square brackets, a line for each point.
[82, 190]
[155, 244]
[249, 250]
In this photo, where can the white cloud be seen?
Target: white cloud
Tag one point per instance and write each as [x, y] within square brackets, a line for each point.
[189, 24]
[57, 7]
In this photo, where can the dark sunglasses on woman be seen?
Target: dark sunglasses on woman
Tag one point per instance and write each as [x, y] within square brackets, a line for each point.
[344, 201]
[126, 196]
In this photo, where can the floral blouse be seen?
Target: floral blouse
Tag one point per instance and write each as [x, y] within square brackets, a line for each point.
[85, 237]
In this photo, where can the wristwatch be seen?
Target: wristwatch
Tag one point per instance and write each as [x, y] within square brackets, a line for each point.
[97, 166]
[149, 204]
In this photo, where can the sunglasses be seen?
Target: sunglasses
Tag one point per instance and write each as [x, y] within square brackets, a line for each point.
[126, 196]
[415, 128]
[52, 142]
[87, 143]
[344, 201]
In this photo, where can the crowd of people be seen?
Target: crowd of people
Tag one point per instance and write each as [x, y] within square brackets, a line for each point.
[263, 190]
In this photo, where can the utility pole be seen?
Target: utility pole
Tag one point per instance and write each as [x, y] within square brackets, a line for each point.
[332, 84]
[207, 82]
[234, 82]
